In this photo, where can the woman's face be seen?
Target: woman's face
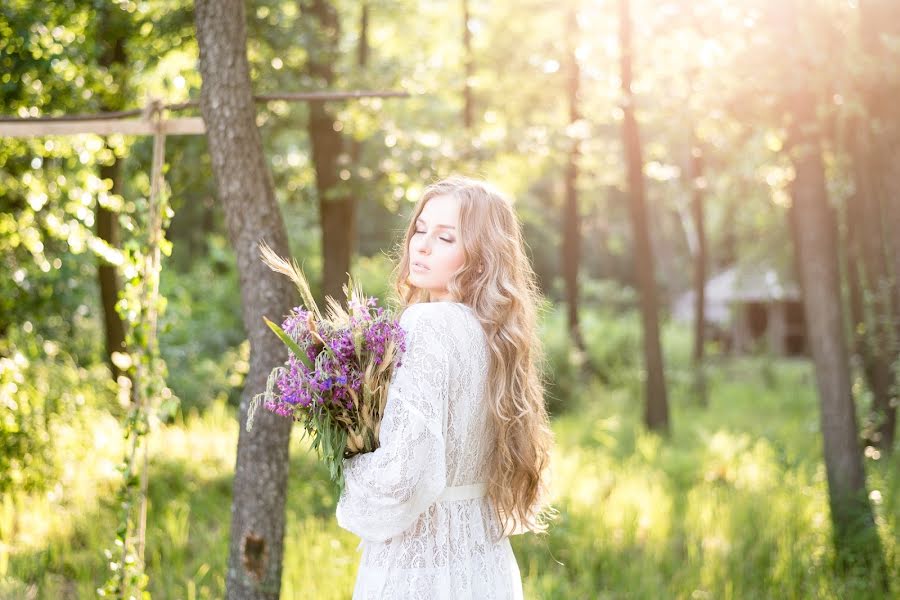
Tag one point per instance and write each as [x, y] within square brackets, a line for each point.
[435, 252]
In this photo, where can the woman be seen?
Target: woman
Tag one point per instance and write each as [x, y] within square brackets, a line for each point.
[465, 438]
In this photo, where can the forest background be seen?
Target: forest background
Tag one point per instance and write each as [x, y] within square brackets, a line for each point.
[652, 149]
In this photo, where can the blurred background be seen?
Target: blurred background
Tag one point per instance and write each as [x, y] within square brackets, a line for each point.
[709, 191]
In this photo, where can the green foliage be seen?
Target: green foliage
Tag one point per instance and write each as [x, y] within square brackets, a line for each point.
[373, 274]
[201, 334]
[139, 306]
[612, 334]
[676, 520]
[734, 505]
[42, 386]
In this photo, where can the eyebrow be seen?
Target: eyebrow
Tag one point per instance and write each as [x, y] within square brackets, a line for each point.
[444, 226]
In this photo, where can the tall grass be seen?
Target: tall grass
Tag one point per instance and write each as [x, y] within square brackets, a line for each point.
[733, 505]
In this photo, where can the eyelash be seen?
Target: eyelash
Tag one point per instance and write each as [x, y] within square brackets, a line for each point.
[450, 241]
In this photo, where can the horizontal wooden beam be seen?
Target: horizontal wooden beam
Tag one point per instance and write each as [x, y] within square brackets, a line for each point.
[179, 126]
[193, 104]
[323, 96]
[111, 123]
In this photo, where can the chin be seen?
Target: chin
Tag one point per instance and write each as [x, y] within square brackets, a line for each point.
[416, 281]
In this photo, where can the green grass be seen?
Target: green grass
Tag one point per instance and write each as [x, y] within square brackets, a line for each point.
[734, 505]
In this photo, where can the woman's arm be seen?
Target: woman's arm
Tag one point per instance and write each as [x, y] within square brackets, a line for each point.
[385, 491]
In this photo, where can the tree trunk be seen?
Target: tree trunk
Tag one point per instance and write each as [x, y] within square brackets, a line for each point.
[700, 260]
[468, 67]
[855, 535]
[251, 214]
[112, 57]
[879, 169]
[656, 414]
[726, 254]
[856, 295]
[362, 48]
[362, 59]
[356, 145]
[337, 207]
[880, 346]
[107, 228]
[571, 242]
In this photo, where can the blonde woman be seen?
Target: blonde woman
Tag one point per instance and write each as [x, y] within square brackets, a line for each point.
[465, 438]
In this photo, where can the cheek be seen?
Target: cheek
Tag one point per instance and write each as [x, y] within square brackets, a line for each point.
[453, 259]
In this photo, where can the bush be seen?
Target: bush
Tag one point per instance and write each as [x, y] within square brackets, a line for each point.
[201, 332]
[41, 386]
[373, 274]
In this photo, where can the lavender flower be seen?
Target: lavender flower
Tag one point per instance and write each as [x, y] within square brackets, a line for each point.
[338, 370]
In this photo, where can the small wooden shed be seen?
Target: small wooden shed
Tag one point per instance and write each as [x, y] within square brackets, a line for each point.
[750, 308]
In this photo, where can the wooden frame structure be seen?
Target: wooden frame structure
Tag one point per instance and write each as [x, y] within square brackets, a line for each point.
[150, 121]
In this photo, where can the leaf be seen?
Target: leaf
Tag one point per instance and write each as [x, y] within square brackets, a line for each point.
[291, 344]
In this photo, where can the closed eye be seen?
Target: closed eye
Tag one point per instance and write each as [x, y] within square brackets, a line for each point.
[443, 239]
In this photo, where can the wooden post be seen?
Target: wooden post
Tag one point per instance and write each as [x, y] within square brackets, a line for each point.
[776, 327]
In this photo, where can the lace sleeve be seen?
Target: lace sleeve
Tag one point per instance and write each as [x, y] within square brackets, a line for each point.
[385, 491]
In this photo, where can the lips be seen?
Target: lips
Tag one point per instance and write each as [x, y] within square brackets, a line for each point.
[420, 266]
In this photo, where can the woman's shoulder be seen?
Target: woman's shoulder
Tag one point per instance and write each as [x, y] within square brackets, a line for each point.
[443, 317]
[431, 311]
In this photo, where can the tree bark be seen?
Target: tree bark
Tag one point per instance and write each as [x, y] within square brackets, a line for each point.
[855, 535]
[112, 57]
[468, 68]
[874, 278]
[878, 172]
[107, 228]
[856, 295]
[362, 49]
[700, 261]
[362, 59]
[251, 213]
[337, 206]
[571, 242]
[656, 413]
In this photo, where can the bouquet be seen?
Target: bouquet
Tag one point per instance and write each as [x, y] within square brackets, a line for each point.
[339, 367]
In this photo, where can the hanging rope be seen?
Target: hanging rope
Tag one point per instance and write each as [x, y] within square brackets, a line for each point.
[152, 274]
[128, 577]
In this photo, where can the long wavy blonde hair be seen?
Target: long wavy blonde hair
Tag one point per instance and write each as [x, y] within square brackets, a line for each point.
[498, 283]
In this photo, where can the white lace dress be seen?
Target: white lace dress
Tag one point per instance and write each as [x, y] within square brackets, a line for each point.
[418, 502]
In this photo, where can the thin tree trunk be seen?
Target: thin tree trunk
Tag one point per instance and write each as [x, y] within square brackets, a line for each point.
[726, 254]
[357, 146]
[251, 214]
[337, 206]
[855, 535]
[112, 56]
[879, 170]
[656, 414]
[571, 242]
[362, 49]
[700, 261]
[362, 58]
[468, 66]
[855, 282]
[107, 228]
[874, 275]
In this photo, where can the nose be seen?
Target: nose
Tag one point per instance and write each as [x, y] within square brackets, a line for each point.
[423, 246]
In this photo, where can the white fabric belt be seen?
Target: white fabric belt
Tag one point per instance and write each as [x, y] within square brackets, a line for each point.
[464, 492]
[457, 492]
